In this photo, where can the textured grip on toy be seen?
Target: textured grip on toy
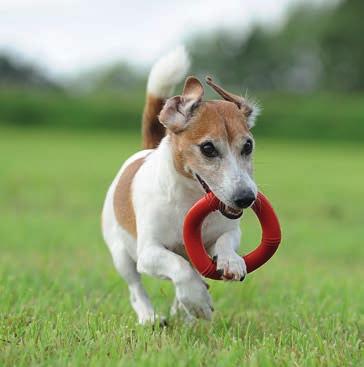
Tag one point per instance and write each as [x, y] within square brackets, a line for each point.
[271, 235]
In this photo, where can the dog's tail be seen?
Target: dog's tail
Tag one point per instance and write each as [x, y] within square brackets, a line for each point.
[165, 74]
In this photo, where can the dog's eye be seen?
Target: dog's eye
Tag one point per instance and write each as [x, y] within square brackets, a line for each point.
[248, 147]
[208, 149]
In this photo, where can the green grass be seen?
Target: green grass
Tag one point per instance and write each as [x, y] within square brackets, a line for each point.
[62, 303]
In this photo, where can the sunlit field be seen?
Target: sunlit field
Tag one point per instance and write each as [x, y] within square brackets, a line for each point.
[63, 304]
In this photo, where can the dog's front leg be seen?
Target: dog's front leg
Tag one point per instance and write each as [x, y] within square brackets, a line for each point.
[231, 265]
[191, 291]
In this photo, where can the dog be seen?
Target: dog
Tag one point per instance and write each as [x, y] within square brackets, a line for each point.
[191, 147]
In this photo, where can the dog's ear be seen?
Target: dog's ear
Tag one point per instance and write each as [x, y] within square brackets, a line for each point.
[178, 110]
[249, 109]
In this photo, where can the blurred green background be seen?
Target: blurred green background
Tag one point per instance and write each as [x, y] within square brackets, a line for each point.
[308, 74]
[62, 139]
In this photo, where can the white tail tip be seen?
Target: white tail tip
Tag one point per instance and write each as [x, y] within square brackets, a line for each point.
[168, 71]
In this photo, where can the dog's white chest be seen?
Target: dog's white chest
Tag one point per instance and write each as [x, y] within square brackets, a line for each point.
[171, 225]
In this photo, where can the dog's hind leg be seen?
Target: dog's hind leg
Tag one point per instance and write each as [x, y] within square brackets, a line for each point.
[121, 245]
[139, 299]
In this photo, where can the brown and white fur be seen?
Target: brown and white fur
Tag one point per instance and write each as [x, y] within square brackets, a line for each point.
[146, 203]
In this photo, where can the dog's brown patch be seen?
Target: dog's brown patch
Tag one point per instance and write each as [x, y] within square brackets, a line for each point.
[123, 204]
[153, 131]
[213, 119]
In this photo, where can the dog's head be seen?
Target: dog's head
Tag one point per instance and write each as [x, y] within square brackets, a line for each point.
[212, 143]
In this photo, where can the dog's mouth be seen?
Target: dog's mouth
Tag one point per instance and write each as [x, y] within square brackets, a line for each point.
[224, 209]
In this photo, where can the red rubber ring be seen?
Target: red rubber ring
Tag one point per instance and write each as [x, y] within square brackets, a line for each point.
[271, 235]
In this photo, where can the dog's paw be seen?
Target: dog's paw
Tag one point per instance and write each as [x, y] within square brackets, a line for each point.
[152, 319]
[179, 311]
[192, 297]
[231, 266]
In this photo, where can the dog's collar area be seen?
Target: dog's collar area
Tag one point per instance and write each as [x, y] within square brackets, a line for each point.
[224, 209]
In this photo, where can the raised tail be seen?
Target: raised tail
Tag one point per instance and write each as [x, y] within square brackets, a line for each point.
[168, 71]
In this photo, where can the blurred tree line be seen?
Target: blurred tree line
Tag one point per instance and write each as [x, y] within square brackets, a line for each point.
[16, 73]
[318, 48]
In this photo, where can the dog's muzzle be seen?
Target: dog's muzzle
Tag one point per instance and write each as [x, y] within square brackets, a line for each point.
[224, 209]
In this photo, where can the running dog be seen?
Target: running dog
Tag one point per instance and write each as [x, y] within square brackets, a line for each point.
[191, 147]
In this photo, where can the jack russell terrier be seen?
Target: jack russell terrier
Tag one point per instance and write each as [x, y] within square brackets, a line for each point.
[191, 146]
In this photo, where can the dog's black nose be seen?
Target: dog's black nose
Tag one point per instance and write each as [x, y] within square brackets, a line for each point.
[244, 199]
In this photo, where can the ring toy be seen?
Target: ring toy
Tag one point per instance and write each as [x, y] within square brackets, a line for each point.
[271, 235]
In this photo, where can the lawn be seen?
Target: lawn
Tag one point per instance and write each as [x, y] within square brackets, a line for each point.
[63, 304]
